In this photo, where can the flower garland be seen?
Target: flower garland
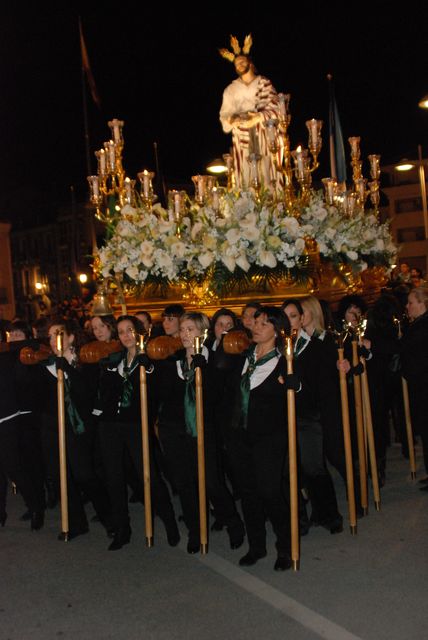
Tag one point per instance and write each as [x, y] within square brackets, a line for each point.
[243, 238]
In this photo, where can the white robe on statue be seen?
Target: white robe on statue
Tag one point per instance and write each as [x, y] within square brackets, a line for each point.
[239, 98]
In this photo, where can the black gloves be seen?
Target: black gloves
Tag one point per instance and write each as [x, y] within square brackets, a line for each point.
[363, 351]
[357, 370]
[198, 360]
[144, 360]
[291, 381]
[61, 363]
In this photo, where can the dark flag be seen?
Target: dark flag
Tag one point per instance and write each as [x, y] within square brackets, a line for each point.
[337, 149]
[87, 68]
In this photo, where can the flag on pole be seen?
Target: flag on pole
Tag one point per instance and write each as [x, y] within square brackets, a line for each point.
[337, 149]
[87, 68]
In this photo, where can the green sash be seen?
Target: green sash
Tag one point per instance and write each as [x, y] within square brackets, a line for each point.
[246, 381]
[189, 398]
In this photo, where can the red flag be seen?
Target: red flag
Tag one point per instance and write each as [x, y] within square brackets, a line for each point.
[87, 68]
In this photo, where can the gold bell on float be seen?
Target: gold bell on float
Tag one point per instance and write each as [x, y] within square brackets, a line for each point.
[100, 304]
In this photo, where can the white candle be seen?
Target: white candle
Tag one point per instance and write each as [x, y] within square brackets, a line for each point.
[128, 190]
[111, 154]
[102, 161]
[177, 205]
[146, 183]
[216, 200]
[299, 159]
[201, 187]
[313, 128]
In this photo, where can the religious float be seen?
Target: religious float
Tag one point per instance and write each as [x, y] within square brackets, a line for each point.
[224, 246]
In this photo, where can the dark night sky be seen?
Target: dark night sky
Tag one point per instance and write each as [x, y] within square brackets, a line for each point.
[159, 70]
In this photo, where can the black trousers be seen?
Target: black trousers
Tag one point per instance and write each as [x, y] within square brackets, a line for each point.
[20, 459]
[259, 464]
[180, 451]
[120, 439]
[315, 474]
[81, 475]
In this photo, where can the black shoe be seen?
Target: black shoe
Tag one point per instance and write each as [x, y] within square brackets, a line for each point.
[236, 534]
[52, 494]
[37, 520]
[121, 537]
[217, 525]
[3, 518]
[193, 544]
[283, 562]
[172, 534]
[252, 557]
[73, 533]
[26, 516]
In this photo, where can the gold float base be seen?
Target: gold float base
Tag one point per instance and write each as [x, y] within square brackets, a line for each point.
[328, 282]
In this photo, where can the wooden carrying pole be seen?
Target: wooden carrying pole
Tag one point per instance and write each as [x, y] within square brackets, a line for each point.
[201, 452]
[409, 429]
[408, 417]
[292, 462]
[146, 450]
[61, 442]
[348, 447]
[361, 440]
[370, 436]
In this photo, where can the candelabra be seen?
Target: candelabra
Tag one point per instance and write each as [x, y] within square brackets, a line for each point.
[304, 164]
[110, 189]
[351, 201]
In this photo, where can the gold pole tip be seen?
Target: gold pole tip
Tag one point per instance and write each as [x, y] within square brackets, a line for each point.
[413, 475]
[365, 511]
[149, 542]
[377, 506]
[295, 565]
[204, 549]
[353, 529]
[63, 536]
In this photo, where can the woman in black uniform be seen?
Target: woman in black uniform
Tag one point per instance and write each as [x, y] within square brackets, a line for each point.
[120, 433]
[79, 392]
[175, 389]
[257, 438]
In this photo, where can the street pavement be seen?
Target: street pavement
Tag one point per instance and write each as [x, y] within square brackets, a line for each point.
[370, 586]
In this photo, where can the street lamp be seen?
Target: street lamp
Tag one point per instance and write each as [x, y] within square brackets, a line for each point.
[405, 165]
[83, 278]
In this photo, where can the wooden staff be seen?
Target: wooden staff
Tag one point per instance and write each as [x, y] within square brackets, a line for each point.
[146, 448]
[361, 440]
[198, 342]
[292, 462]
[61, 441]
[407, 415]
[367, 412]
[347, 443]
[409, 429]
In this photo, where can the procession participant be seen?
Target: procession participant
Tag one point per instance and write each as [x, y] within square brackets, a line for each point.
[20, 459]
[383, 371]
[350, 310]
[313, 325]
[146, 320]
[257, 439]
[171, 319]
[414, 359]
[79, 392]
[104, 328]
[175, 389]
[247, 315]
[312, 411]
[248, 102]
[120, 434]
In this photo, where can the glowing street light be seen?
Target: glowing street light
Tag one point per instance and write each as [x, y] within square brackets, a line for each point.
[406, 165]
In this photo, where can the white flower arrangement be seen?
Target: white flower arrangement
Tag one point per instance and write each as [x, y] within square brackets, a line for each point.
[241, 237]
